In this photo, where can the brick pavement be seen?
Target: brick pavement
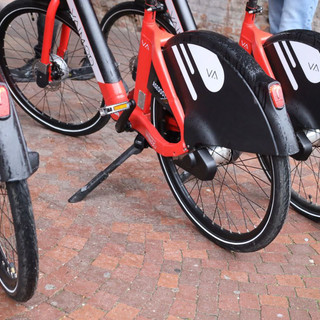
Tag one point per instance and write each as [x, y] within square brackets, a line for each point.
[128, 252]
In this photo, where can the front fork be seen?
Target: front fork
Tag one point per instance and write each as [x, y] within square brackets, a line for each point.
[43, 66]
[98, 53]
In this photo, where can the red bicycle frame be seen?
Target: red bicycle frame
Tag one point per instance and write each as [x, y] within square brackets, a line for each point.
[152, 39]
[252, 40]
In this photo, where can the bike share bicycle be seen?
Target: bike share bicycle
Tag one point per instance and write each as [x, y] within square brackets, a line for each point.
[292, 57]
[19, 263]
[213, 119]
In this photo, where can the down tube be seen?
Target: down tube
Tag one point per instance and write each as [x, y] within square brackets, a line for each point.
[97, 51]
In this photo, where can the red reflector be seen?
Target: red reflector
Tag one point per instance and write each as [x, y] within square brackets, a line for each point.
[4, 102]
[277, 96]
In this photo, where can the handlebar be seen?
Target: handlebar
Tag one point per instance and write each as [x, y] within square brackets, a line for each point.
[253, 7]
[252, 3]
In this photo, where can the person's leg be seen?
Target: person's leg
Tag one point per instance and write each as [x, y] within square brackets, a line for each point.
[297, 14]
[40, 26]
[26, 72]
[275, 11]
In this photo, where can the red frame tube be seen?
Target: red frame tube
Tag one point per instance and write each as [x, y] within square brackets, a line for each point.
[252, 40]
[152, 39]
[48, 31]
[64, 40]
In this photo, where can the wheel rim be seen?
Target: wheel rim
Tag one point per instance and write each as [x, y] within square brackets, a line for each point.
[69, 104]
[305, 177]
[8, 249]
[234, 206]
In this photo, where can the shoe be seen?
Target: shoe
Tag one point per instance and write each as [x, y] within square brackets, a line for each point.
[24, 73]
[85, 72]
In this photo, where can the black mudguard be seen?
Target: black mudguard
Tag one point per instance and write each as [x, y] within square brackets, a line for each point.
[295, 60]
[225, 96]
[16, 162]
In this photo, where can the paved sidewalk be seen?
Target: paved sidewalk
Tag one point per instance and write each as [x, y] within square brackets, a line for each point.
[128, 252]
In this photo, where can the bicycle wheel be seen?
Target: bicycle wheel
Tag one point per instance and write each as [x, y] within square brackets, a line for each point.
[70, 103]
[289, 54]
[241, 209]
[18, 241]
[305, 196]
[121, 27]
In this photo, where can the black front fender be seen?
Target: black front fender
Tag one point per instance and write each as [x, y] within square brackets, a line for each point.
[15, 163]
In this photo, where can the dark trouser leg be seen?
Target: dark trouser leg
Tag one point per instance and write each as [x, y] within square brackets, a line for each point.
[40, 25]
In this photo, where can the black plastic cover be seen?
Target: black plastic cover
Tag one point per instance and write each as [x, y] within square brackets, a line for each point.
[225, 96]
[14, 157]
[295, 60]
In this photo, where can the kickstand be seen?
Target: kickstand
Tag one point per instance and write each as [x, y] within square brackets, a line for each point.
[137, 147]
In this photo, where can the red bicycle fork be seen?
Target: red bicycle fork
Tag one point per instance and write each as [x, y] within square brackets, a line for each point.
[114, 93]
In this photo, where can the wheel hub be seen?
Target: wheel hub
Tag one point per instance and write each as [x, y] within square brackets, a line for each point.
[59, 72]
[223, 156]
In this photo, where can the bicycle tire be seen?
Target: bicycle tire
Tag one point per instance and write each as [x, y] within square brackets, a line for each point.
[305, 175]
[241, 209]
[18, 242]
[121, 27]
[67, 105]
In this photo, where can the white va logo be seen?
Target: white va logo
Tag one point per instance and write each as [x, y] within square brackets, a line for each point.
[209, 67]
[309, 59]
[145, 45]
[313, 67]
[212, 74]
[244, 45]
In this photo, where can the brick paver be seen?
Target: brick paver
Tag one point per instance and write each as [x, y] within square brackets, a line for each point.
[128, 252]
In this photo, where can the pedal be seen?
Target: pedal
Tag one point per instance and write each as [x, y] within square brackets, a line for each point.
[106, 110]
[122, 123]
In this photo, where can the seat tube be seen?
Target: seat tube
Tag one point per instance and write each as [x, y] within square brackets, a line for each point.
[97, 51]
[184, 14]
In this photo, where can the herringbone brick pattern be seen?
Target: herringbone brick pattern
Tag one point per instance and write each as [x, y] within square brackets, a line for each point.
[128, 252]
